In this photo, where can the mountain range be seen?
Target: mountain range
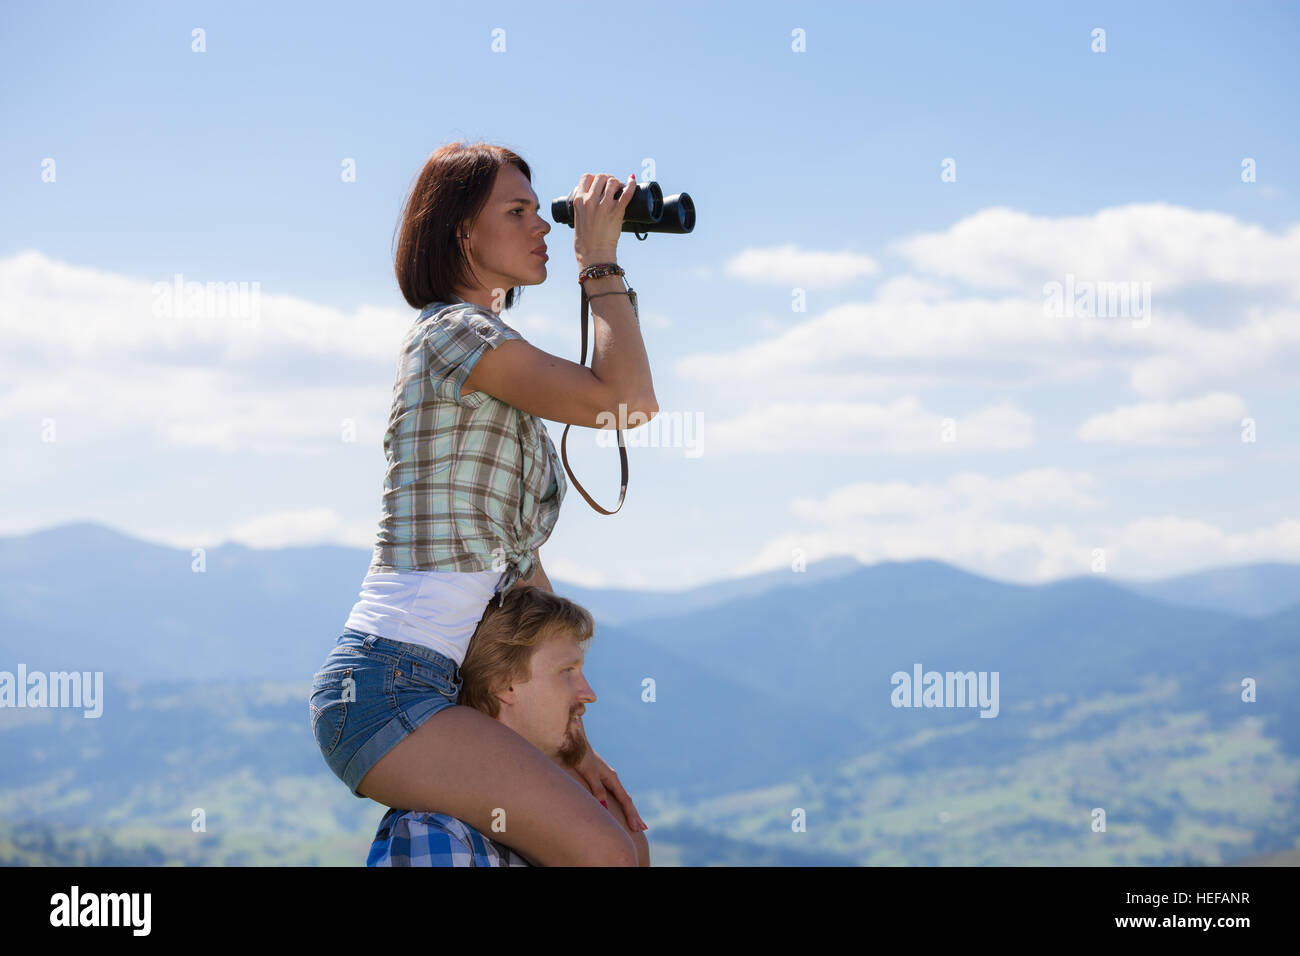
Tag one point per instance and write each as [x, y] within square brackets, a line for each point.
[775, 681]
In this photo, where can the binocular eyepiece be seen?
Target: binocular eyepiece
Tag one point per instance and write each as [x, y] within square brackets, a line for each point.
[647, 211]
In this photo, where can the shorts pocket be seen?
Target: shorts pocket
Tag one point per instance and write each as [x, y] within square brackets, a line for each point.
[331, 691]
[428, 675]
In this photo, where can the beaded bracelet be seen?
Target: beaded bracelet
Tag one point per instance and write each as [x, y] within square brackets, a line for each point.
[599, 270]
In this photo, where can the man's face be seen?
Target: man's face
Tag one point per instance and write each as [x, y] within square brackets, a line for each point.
[547, 707]
[502, 240]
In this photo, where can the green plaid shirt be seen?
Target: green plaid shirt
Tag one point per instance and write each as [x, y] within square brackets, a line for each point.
[463, 490]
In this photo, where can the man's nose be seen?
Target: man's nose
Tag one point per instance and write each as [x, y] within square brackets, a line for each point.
[585, 693]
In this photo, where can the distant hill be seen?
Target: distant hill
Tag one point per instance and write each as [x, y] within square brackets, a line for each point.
[615, 606]
[841, 642]
[1251, 590]
[87, 597]
[102, 600]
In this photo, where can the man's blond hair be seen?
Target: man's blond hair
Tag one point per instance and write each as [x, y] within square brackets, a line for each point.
[501, 650]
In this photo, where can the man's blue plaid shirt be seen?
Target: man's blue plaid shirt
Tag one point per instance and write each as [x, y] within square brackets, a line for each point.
[414, 838]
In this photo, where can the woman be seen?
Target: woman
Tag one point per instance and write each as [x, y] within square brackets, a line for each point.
[473, 485]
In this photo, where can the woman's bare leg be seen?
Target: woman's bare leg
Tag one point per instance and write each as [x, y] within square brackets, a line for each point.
[464, 763]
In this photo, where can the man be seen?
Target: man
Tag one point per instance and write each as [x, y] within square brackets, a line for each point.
[524, 668]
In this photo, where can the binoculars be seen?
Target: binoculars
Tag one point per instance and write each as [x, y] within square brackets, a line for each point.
[647, 211]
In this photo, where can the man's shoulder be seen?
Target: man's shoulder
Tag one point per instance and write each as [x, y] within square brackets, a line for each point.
[425, 838]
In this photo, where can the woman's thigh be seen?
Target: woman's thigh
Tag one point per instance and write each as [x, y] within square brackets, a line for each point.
[369, 694]
[464, 763]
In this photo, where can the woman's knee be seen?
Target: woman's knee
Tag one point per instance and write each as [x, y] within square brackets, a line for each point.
[616, 850]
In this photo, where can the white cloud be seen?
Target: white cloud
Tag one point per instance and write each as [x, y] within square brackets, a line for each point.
[1035, 488]
[857, 427]
[903, 289]
[197, 406]
[280, 529]
[87, 349]
[71, 312]
[965, 522]
[914, 334]
[999, 549]
[958, 521]
[849, 345]
[790, 265]
[1169, 246]
[1263, 349]
[966, 492]
[96, 351]
[1187, 543]
[1213, 417]
[560, 568]
[873, 500]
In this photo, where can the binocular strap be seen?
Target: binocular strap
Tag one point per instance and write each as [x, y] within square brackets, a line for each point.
[622, 448]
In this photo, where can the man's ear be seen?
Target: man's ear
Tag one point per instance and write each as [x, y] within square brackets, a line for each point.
[504, 692]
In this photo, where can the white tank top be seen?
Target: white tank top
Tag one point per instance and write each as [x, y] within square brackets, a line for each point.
[435, 609]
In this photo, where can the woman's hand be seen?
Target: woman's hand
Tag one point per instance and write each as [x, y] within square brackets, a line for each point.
[598, 216]
[602, 781]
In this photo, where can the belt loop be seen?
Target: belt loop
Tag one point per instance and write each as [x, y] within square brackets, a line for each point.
[369, 642]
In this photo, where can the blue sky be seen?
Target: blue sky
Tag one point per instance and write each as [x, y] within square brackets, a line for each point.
[818, 178]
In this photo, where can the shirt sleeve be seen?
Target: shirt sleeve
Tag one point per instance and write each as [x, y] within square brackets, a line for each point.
[454, 343]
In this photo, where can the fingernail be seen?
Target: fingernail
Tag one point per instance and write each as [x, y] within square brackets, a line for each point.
[604, 804]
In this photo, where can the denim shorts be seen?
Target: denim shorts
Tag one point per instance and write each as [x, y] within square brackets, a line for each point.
[370, 693]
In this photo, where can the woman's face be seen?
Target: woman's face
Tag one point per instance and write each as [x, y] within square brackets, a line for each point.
[501, 243]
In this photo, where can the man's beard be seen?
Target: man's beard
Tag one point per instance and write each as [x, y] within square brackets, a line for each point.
[574, 746]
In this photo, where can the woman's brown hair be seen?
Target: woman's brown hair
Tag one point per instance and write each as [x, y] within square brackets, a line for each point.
[501, 651]
[452, 188]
